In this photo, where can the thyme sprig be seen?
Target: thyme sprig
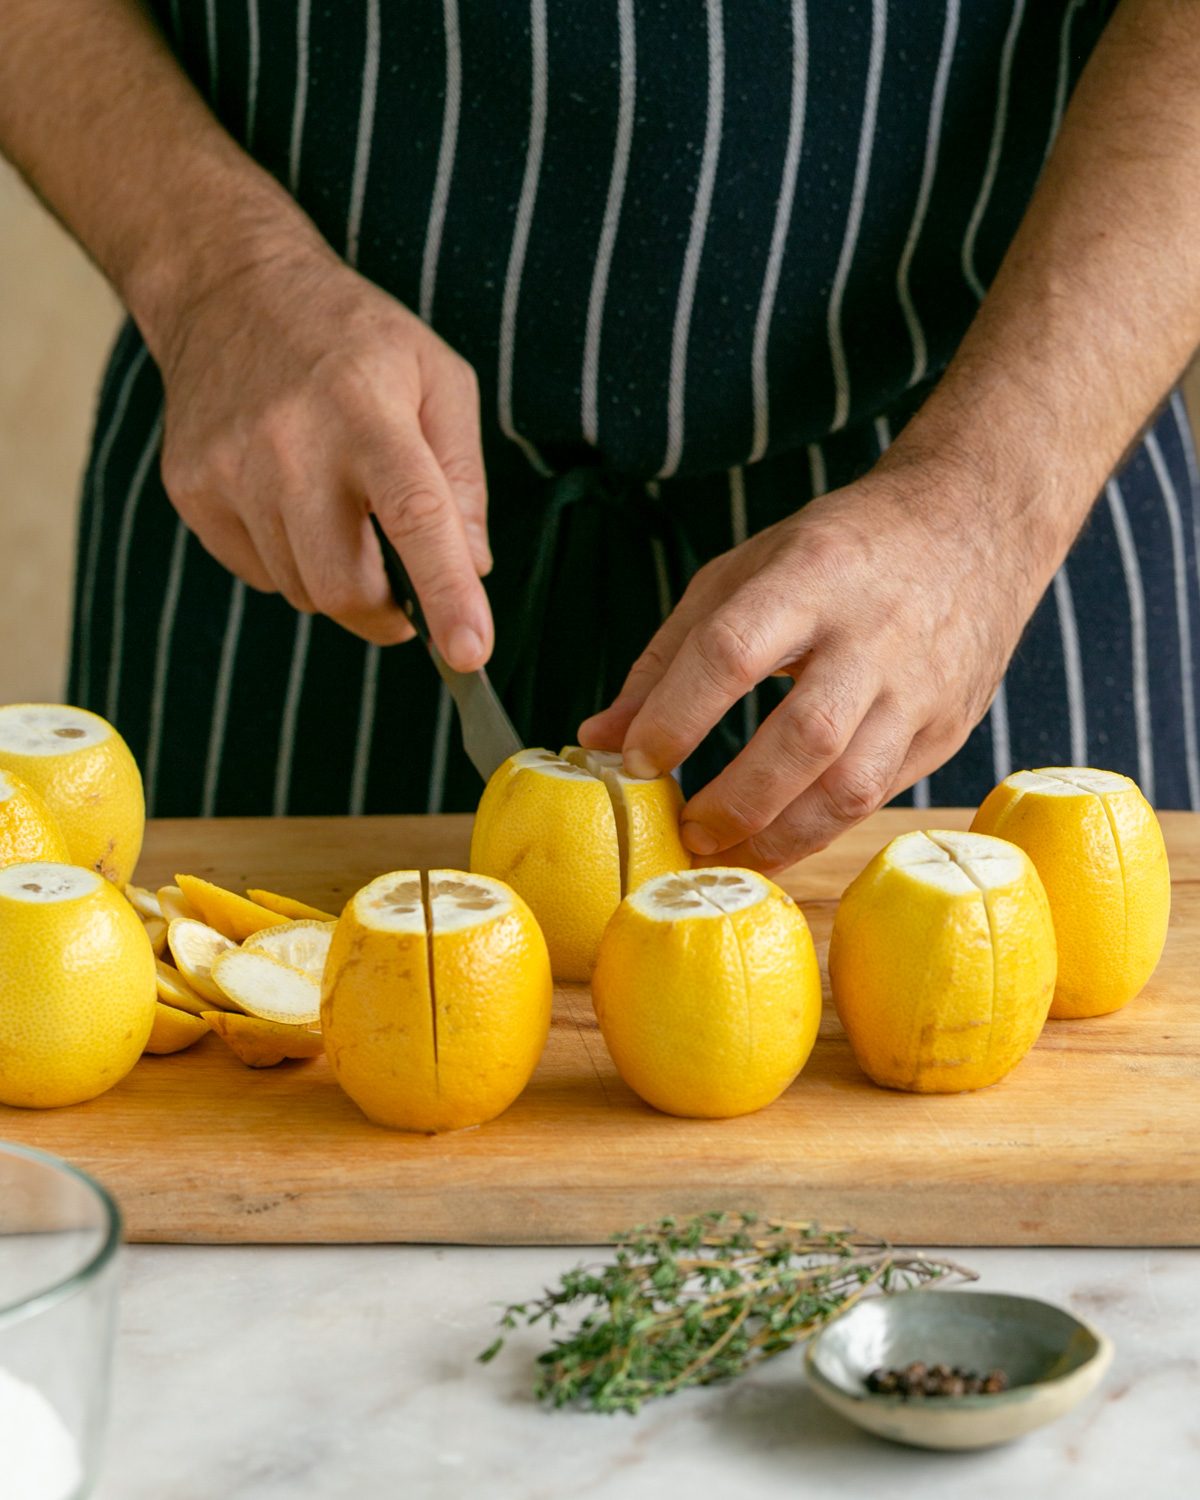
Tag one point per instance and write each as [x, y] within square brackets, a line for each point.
[688, 1303]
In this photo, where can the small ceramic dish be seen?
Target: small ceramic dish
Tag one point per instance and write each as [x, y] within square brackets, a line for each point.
[1051, 1359]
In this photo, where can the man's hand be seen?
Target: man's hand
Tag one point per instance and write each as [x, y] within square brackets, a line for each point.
[300, 398]
[888, 618]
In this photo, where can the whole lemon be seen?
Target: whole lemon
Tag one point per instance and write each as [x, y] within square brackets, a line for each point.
[86, 775]
[942, 961]
[1099, 849]
[77, 985]
[707, 992]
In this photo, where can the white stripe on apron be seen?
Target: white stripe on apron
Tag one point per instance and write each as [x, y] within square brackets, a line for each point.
[999, 124]
[216, 734]
[120, 580]
[701, 207]
[538, 91]
[779, 233]
[933, 139]
[366, 126]
[162, 660]
[253, 62]
[858, 196]
[622, 145]
[1137, 625]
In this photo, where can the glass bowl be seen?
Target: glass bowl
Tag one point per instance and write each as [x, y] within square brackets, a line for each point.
[59, 1236]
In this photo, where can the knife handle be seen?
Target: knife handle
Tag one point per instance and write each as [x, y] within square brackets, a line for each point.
[402, 590]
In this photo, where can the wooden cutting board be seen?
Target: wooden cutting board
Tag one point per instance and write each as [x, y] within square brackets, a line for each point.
[1093, 1140]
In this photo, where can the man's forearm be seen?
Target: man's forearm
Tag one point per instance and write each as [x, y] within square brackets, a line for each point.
[1096, 307]
[97, 115]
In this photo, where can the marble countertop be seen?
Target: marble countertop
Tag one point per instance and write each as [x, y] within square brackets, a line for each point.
[325, 1373]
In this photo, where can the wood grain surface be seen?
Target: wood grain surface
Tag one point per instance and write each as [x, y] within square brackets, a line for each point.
[1093, 1140]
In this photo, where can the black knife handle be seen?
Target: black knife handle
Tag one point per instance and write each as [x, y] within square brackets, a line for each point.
[402, 589]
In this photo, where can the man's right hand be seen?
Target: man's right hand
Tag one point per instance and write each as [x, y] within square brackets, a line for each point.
[300, 398]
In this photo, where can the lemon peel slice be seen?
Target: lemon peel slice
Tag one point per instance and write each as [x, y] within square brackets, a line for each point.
[261, 986]
[264, 1044]
[225, 910]
[194, 947]
[156, 931]
[174, 990]
[173, 903]
[144, 902]
[301, 945]
[174, 1029]
[288, 906]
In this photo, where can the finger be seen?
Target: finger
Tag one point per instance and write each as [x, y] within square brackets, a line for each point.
[799, 740]
[721, 659]
[856, 785]
[225, 538]
[268, 534]
[450, 422]
[607, 729]
[409, 494]
[341, 567]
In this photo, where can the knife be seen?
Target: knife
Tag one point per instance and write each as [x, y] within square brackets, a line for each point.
[487, 732]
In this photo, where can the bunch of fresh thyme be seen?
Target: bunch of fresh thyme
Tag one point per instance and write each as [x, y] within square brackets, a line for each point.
[688, 1303]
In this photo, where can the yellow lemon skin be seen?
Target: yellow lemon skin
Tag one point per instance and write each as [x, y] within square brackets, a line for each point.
[428, 1059]
[77, 988]
[708, 1015]
[552, 837]
[28, 829]
[92, 786]
[1099, 850]
[943, 986]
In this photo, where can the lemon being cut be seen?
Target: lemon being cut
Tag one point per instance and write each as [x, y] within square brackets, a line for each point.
[28, 829]
[942, 961]
[707, 992]
[1099, 850]
[572, 834]
[435, 1004]
[77, 986]
[84, 772]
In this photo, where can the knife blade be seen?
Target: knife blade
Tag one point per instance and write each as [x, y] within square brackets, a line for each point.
[488, 735]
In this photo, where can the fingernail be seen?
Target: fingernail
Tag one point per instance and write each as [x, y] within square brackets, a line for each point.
[639, 764]
[465, 649]
[699, 839]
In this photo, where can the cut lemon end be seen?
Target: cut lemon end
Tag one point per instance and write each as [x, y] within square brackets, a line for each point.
[288, 906]
[45, 729]
[41, 884]
[1070, 781]
[961, 864]
[173, 1030]
[261, 986]
[225, 910]
[301, 945]
[705, 894]
[195, 947]
[264, 1044]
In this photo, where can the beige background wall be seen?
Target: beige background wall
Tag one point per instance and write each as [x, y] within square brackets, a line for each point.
[57, 319]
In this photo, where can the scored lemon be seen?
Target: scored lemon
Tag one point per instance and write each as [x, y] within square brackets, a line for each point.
[942, 961]
[28, 829]
[435, 1005]
[84, 772]
[77, 985]
[1099, 849]
[707, 992]
[572, 834]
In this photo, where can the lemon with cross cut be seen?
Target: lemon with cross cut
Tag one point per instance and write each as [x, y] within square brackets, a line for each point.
[1098, 847]
[942, 961]
[435, 1002]
[707, 991]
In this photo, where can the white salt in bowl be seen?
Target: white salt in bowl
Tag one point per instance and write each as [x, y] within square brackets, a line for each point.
[59, 1237]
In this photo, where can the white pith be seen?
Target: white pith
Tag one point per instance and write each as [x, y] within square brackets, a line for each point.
[195, 945]
[6, 787]
[547, 764]
[698, 893]
[49, 729]
[303, 944]
[458, 902]
[264, 987]
[955, 862]
[43, 884]
[606, 766]
[392, 903]
[1068, 781]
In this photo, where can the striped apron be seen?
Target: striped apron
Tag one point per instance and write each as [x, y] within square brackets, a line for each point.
[706, 259]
